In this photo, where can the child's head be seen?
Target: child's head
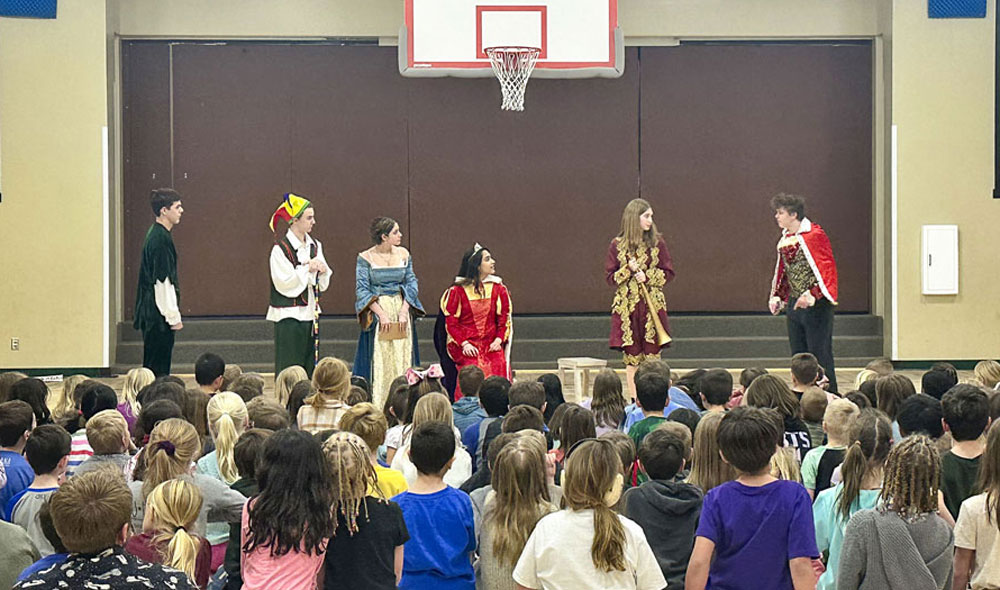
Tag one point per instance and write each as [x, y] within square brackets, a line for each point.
[527, 393]
[418, 390]
[433, 407]
[653, 366]
[292, 511]
[870, 440]
[868, 390]
[859, 399]
[286, 380]
[664, 451]
[966, 412]
[173, 445]
[248, 450]
[912, 477]
[652, 391]
[362, 384]
[936, 382]
[264, 412]
[367, 422]
[838, 417]
[301, 391]
[522, 496]
[91, 511]
[865, 375]
[748, 375]
[209, 370]
[331, 380]
[35, 393]
[716, 387]
[357, 395]
[920, 414]
[576, 424]
[592, 480]
[813, 404]
[135, 380]
[494, 395]
[748, 438]
[708, 470]
[49, 529]
[171, 511]
[881, 366]
[47, 450]
[107, 433]
[352, 475]
[16, 423]
[626, 450]
[553, 393]
[395, 405]
[154, 413]
[805, 369]
[522, 418]
[7, 381]
[230, 375]
[769, 391]
[432, 448]
[607, 403]
[890, 391]
[987, 373]
[61, 404]
[227, 419]
[470, 379]
[687, 417]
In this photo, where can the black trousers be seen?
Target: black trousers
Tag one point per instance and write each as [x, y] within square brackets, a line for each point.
[157, 349]
[811, 330]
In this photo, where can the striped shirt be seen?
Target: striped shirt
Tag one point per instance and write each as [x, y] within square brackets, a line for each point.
[313, 420]
[80, 451]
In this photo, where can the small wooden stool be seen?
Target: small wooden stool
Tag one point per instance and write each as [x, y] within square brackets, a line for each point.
[581, 366]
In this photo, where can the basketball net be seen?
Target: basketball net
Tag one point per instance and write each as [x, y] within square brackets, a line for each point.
[513, 67]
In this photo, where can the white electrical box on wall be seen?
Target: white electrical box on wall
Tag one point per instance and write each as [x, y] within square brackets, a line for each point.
[939, 253]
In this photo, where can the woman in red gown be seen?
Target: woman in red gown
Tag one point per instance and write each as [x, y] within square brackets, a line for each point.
[637, 256]
[478, 316]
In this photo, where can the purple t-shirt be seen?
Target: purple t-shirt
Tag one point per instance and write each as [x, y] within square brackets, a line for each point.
[756, 531]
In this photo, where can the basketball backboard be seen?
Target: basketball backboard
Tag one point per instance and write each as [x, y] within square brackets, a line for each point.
[577, 38]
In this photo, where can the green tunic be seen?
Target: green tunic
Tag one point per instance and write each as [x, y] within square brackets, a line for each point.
[159, 263]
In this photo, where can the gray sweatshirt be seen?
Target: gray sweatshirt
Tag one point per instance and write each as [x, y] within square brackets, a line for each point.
[881, 551]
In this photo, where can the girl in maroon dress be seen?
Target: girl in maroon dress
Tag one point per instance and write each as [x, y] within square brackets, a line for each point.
[477, 315]
[637, 256]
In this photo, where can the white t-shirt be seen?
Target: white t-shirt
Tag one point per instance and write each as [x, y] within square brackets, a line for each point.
[460, 471]
[974, 531]
[557, 557]
[394, 437]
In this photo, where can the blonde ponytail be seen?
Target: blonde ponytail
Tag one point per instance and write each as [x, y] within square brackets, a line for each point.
[173, 445]
[175, 505]
[227, 418]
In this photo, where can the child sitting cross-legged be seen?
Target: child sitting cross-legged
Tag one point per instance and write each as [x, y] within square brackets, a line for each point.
[586, 545]
[667, 510]
[756, 528]
[438, 555]
[366, 550]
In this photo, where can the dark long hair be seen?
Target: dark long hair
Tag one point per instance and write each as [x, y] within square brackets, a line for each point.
[292, 511]
[468, 272]
[553, 394]
[33, 392]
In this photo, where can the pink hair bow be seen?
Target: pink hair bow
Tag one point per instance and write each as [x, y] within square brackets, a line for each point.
[414, 376]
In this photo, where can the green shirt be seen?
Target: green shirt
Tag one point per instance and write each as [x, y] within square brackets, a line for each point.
[159, 264]
[639, 431]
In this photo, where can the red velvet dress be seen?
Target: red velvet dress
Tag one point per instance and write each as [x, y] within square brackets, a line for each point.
[479, 319]
[632, 329]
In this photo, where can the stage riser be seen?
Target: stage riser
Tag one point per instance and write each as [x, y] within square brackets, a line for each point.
[700, 341]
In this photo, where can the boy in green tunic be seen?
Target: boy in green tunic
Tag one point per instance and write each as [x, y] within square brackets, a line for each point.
[157, 300]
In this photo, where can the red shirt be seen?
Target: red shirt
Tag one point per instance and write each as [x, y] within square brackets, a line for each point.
[142, 547]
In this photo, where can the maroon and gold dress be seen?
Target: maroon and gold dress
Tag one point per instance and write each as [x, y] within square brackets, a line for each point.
[479, 319]
[632, 329]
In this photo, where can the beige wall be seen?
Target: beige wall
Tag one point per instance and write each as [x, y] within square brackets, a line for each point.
[57, 82]
[942, 107]
[53, 105]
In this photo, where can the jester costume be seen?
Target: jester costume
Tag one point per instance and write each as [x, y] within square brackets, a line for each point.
[632, 328]
[294, 305]
[478, 318]
[806, 267]
[157, 299]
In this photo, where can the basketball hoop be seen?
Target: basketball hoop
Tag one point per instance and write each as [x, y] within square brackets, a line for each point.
[513, 67]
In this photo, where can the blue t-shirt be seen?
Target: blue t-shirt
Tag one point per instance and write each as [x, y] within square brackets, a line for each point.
[633, 413]
[442, 539]
[19, 476]
[756, 531]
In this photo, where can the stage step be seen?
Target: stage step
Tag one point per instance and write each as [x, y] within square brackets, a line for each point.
[699, 341]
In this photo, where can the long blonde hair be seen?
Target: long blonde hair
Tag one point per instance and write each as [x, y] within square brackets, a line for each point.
[631, 236]
[173, 445]
[591, 473]
[62, 404]
[352, 475]
[989, 476]
[522, 496]
[433, 407]
[331, 380]
[988, 373]
[286, 380]
[135, 380]
[227, 419]
[175, 505]
[708, 470]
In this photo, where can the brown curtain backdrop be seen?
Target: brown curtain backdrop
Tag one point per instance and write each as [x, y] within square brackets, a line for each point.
[706, 133]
